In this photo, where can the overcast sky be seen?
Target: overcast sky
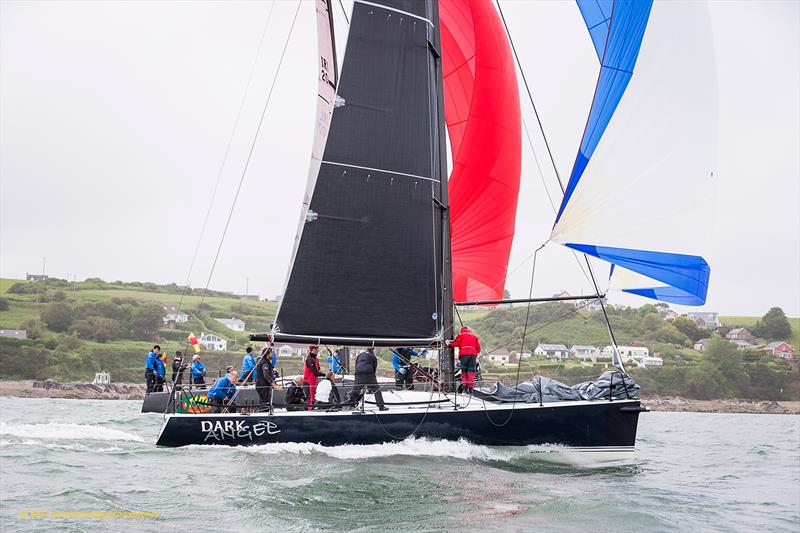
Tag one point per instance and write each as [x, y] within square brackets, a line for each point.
[115, 117]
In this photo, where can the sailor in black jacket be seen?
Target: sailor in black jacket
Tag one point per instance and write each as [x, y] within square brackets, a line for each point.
[366, 366]
[265, 379]
[296, 398]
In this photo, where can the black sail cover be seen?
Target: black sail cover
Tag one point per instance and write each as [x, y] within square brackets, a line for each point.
[368, 255]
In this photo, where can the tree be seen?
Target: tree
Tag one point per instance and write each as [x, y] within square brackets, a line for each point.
[506, 294]
[58, 316]
[3, 304]
[773, 326]
[690, 329]
[146, 320]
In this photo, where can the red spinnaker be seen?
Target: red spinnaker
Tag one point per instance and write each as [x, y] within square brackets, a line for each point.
[482, 112]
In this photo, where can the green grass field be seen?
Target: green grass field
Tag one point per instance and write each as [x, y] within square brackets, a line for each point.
[5, 283]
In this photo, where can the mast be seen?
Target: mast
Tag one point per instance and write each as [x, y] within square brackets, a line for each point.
[446, 359]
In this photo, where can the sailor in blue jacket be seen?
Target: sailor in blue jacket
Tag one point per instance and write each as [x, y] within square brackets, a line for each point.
[335, 362]
[198, 372]
[222, 391]
[403, 371]
[150, 368]
[248, 366]
[161, 373]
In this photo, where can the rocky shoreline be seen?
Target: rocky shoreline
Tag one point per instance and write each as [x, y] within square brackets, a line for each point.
[73, 391]
[135, 391]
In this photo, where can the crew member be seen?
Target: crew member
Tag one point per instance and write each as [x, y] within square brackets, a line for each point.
[222, 391]
[327, 393]
[150, 368]
[265, 378]
[468, 349]
[177, 368]
[335, 362]
[311, 373]
[366, 366]
[404, 368]
[296, 399]
[198, 371]
[248, 366]
[161, 372]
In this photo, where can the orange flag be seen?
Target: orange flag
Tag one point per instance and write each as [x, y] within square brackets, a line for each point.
[193, 341]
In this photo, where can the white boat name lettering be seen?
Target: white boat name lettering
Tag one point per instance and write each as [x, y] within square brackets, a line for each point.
[236, 429]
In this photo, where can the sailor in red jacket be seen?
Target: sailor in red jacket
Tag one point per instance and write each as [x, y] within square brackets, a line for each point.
[468, 349]
[311, 372]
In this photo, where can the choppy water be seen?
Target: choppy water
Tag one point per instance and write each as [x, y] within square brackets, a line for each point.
[699, 472]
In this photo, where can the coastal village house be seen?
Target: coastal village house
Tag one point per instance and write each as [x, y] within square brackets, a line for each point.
[556, 352]
[292, 350]
[172, 316]
[35, 277]
[705, 319]
[700, 345]
[584, 352]
[501, 356]
[231, 323]
[628, 352]
[740, 334]
[14, 333]
[589, 304]
[210, 341]
[651, 362]
[781, 349]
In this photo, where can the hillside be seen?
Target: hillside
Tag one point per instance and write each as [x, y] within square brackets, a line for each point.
[76, 329]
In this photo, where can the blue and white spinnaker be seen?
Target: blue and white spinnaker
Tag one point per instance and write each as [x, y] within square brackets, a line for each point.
[640, 187]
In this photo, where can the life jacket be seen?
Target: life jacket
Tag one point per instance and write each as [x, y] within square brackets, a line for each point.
[311, 369]
[467, 343]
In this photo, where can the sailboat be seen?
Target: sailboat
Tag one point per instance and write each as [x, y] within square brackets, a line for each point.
[386, 245]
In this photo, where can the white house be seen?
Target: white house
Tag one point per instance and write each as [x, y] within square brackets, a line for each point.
[705, 319]
[651, 362]
[499, 356]
[210, 341]
[291, 350]
[173, 315]
[231, 323]
[14, 333]
[583, 352]
[628, 352]
[552, 351]
[700, 345]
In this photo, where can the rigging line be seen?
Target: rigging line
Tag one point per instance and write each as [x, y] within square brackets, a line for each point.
[538, 166]
[252, 148]
[541, 127]
[344, 12]
[522, 346]
[530, 96]
[225, 157]
[608, 322]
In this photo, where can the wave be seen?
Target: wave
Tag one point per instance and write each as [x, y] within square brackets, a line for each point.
[418, 447]
[66, 432]
[533, 457]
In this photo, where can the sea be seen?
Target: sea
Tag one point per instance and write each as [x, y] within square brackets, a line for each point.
[91, 465]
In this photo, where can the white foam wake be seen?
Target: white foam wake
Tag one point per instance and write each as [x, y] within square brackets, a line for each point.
[422, 447]
[66, 431]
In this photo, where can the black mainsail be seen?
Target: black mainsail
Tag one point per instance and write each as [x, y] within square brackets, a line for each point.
[371, 262]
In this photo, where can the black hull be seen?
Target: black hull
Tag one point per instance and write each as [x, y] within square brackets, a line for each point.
[572, 424]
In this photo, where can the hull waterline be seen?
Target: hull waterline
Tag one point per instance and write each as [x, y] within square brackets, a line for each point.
[599, 426]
